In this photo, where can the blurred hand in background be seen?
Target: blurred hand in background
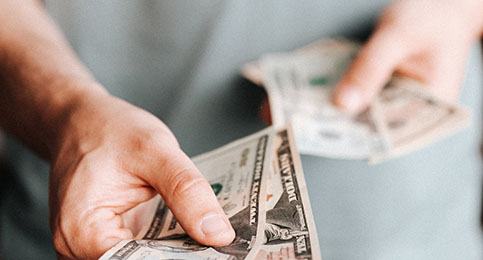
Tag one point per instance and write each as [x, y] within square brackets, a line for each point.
[428, 40]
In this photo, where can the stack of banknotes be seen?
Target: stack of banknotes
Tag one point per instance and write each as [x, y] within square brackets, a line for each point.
[403, 118]
[259, 182]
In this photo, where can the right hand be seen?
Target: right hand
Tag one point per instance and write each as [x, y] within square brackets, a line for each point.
[428, 40]
[112, 157]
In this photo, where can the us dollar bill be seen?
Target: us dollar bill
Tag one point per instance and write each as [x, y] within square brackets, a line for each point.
[253, 71]
[239, 175]
[411, 118]
[299, 86]
[290, 231]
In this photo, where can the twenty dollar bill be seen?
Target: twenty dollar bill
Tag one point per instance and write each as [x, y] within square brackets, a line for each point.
[259, 182]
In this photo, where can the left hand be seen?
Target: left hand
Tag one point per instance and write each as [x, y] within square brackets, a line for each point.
[428, 40]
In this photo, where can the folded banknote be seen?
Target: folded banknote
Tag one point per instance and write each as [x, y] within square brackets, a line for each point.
[403, 118]
[260, 185]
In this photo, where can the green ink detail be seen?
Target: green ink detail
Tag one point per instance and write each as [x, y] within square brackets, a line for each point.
[319, 81]
[216, 188]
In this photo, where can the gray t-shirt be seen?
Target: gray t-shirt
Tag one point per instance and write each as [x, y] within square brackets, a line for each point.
[180, 60]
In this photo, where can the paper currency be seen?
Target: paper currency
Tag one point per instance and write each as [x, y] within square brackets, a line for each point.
[271, 225]
[289, 227]
[299, 90]
[253, 72]
[299, 86]
[410, 118]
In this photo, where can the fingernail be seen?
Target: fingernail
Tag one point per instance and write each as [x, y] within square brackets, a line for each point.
[351, 99]
[213, 224]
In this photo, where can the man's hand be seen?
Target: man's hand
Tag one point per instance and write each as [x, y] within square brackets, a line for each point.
[108, 157]
[428, 40]
[111, 158]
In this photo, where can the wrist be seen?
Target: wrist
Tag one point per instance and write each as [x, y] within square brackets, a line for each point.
[61, 113]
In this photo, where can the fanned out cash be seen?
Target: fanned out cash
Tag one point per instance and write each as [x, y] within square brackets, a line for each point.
[404, 117]
[259, 182]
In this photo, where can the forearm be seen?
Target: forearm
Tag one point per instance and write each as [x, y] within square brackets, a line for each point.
[41, 79]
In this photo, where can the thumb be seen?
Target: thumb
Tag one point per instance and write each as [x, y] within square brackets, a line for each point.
[370, 71]
[190, 197]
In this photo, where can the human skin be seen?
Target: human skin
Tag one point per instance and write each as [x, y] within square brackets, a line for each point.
[428, 40]
[107, 156]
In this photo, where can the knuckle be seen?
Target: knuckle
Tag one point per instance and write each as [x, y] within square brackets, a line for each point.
[184, 183]
[150, 141]
[142, 141]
